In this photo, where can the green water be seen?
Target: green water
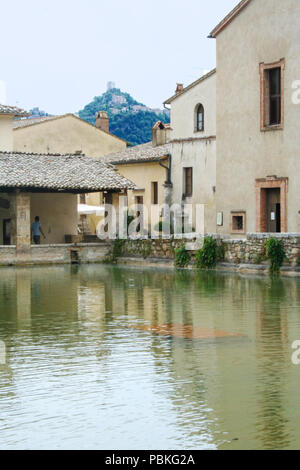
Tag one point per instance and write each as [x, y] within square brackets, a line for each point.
[81, 372]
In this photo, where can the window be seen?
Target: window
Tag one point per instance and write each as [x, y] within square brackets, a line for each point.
[272, 102]
[82, 199]
[199, 127]
[154, 192]
[238, 222]
[274, 79]
[188, 181]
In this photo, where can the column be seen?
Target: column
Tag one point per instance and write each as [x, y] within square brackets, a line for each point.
[23, 229]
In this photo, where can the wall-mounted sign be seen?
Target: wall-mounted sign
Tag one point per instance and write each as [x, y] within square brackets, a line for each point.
[273, 216]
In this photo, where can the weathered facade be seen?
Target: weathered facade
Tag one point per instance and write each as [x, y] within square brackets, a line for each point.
[65, 134]
[69, 134]
[7, 115]
[193, 148]
[258, 111]
[147, 166]
[45, 185]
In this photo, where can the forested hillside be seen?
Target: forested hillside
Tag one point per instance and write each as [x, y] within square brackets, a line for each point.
[128, 119]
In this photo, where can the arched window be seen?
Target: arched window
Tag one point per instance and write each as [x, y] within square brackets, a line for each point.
[199, 118]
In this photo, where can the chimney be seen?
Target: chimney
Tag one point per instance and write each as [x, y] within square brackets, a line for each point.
[102, 120]
[179, 88]
[160, 134]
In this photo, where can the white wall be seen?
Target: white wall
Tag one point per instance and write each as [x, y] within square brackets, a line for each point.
[199, 152]
[6, 133]
[183, 110]
[58, 215]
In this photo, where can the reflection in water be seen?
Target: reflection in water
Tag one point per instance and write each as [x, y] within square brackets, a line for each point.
[186, 331]
[272, 352]
[108, 357]
[2, 353]
[23, 294]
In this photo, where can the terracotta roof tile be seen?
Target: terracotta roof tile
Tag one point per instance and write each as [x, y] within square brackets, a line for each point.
[139, 154]
[71, 173]
[13, 110]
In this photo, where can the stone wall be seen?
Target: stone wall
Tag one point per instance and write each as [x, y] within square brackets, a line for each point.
[156, 248]
[252, 249]
[249, 250]
[55, 254]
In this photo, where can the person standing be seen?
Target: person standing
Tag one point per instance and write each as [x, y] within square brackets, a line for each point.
[36, 231]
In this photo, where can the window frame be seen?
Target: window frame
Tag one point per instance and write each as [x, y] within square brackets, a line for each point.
[154, 193]
[197, 112]
[238, 214]
[265, 97]
[185, 173]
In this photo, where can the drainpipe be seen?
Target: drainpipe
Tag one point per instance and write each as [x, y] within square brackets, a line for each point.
[169, 169]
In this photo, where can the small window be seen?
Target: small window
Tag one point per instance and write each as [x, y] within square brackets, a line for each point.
[82, 199]
[274, 79]
[188, 182]
[199, 127]
[272, 95]
[154, 192]
[238, 222]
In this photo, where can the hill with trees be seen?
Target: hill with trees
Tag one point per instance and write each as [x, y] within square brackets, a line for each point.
[128, 119]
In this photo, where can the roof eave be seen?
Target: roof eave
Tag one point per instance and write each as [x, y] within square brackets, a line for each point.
[54, 118]
[228, 19]
[192, 85]
[141, 160]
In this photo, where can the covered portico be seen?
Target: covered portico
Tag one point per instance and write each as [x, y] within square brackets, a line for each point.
[48, 186]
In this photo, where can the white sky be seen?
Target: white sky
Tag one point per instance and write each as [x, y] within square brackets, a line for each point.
[59, 54]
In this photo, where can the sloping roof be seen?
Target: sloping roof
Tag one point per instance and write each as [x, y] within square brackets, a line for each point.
[31, 120]
[225, 22]
[54, 172]
[139, 154]
[192, 85]
[21, 124]
[13, 110]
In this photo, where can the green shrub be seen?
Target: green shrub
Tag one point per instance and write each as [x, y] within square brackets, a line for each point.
[182, 257]
[116, 251]
[220, 252]
[275, 253]
[258, 259]
[164, 227]
[146, 251]
[298, 261]
[207, 256]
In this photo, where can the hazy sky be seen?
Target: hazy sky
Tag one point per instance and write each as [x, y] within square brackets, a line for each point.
[59, 54]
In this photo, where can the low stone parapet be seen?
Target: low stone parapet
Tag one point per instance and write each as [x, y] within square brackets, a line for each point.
[55, 254]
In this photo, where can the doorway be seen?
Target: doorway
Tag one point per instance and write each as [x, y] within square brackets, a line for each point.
[139, 201]
[271, 204]
[6, 231]
[273, 210]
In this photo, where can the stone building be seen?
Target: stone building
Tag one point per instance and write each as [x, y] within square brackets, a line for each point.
[147, 165]
[258, 111]
[69, 134]
[46, 185]
[66, 134]
[193, 148]
[235, 140]
[7, 115]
